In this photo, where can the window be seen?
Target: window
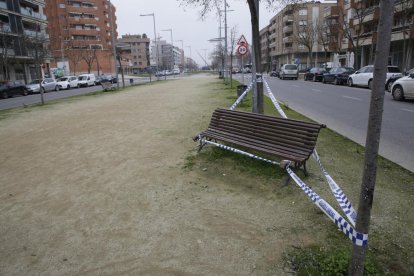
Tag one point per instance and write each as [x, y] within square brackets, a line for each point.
[62, 6]
[303, 12]
[303, 23]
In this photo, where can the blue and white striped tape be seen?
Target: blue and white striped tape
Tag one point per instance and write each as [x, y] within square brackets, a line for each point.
[236, 103]
[339, 195]
[357, 238]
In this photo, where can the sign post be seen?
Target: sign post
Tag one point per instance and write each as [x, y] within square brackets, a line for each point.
[242, 50]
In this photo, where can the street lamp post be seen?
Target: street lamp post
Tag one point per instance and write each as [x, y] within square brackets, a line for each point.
[172, 47]
[155, 35]
[182, 48]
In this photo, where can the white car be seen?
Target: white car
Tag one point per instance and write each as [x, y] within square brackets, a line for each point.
[68, 82]
[364, 76]
[403, 88]
[289, 71]
[87, 80]
[45, 85]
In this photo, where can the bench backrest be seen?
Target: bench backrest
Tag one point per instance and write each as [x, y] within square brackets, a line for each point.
[290, 134]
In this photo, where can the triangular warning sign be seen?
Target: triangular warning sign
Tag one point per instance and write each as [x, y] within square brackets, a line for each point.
[242, 41]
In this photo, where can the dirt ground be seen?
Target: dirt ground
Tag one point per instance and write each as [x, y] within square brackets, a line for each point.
[96, 186]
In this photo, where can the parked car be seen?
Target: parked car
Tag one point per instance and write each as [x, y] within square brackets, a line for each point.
[86, 80]
[403, 88]
[11, 88]
[68, 82]
[364, 76]
[110, 78]
[338, 75]
[392, 79]
[315, 74]
[289, 71]
[47, 84]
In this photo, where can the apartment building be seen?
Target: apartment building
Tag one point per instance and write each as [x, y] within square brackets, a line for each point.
[264, 49]
[357, 28]
[167, 56]
[292, 36]
[81, 35]
[137, 52]
[23, 40]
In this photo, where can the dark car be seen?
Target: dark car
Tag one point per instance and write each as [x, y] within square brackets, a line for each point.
[274, 73]
[11, 88]
[315, 74]
[392, 79]
[338, 75]
[108, 78]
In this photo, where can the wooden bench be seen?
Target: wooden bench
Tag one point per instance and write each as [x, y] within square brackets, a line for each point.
[288, 139]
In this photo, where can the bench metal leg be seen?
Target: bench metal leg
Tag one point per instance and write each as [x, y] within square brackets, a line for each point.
[201, 145]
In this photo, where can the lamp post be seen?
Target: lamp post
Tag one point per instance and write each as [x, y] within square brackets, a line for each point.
[226, 72]
[155, 35]
[182, 48]
[190, 57]
[172, 47]
[113, 41]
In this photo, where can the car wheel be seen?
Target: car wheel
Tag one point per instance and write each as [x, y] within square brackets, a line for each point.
[350, 82]
[4, 95]
[57, 88]
[336, 82]
[398, 93]
[370, 84]
[389, 86]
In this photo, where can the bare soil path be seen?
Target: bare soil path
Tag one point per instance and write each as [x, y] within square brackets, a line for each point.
[97, 187]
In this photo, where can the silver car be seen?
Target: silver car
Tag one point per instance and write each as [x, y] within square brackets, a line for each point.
[47, 84]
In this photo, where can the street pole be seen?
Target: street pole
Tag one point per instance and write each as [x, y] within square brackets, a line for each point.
[113, 41]
[225, 43]
[155, 36]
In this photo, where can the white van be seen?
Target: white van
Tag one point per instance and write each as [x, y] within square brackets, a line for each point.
[289, 71]
[87, 80]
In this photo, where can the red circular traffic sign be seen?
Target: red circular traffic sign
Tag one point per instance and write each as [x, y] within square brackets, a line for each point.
[242, 50]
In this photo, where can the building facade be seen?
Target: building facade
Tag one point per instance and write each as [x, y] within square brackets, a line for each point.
[81, 35]
[343, 27]
[24, 52]
[137, 53]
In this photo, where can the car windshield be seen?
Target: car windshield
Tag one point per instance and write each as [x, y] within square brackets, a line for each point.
[63, 79]
[34, 82]
[291, 67]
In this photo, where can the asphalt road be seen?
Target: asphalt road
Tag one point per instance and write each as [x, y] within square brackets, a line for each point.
[35, 98]
[345, 110]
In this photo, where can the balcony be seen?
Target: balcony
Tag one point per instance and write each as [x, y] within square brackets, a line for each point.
[31, 13]
[371, 14]
[5, 28]
[8, 51]
[288, 18]
[288, 39]
[288, 29]
[36, 34]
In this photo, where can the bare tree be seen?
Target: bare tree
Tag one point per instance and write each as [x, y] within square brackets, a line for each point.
[306, 35]
[6, 50]
[89, 56]
[356, 266]
[74, 55]
[36, 47]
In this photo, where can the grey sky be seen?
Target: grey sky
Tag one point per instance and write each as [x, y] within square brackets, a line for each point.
[185, 22]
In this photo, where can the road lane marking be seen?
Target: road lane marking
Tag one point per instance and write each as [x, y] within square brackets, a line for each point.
[353, 98]
[409, 110]
[316, 90]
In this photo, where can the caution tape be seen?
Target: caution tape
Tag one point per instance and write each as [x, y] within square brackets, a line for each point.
[339, 195]
[357, 238]
[236, 103]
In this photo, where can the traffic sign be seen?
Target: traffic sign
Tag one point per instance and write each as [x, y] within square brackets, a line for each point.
[242, 41]
[242, 50]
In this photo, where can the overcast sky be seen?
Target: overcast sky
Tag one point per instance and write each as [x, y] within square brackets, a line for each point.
[185, 22]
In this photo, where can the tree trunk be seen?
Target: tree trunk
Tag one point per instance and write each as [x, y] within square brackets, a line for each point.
[356, 266]
[258, 95]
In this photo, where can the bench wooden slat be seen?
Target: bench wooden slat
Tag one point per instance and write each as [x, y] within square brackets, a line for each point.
[290, 139]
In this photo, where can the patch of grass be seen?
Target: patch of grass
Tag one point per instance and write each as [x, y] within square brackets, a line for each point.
[320, 261]
[391, 230]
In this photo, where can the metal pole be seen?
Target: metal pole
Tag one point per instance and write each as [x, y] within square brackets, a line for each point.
[113, 41]
[225, 43]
